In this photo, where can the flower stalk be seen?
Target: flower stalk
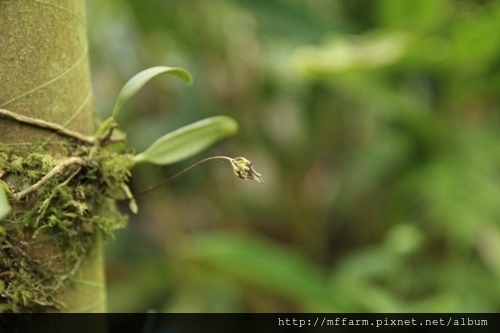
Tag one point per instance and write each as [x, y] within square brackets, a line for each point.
[242, 167]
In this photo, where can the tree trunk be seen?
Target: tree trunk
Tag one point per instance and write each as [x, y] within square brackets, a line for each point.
[44, 74]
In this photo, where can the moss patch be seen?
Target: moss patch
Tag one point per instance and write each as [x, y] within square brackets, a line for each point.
[52, 228]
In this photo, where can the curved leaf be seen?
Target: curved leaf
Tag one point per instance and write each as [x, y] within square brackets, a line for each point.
[263, 264]
[188, 140]
[4, 203]
[135, 83]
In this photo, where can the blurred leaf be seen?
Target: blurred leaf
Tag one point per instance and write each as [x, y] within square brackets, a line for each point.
[205, 292]
[289, 19]
[399, 91]
[404, 239]
[423, 15]
[4, 203]
[146, 283]
[264, 264]
[475, 42]
[488, 247]
[369, 263]
[377, 299]
[456, 191]
[135, 83]
[188, 140]
[347, 54]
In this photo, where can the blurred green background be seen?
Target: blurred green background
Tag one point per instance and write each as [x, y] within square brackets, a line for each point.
[375, 125]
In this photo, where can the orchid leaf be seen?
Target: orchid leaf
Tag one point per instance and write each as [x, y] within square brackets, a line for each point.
[4, 203]
[188, 140]
[140, 79]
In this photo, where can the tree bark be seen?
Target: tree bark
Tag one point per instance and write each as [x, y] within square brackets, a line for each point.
[44, 74]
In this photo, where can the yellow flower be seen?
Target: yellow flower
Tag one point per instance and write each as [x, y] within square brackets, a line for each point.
[243, 168]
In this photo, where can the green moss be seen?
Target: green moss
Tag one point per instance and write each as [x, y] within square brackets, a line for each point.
[55, 226]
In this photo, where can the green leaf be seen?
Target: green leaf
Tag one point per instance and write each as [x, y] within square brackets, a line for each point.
[263, 264]
[4, 203]
[188, 140]
[135, 83]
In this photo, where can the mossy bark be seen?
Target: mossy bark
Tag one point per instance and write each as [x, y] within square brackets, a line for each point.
[44, 74]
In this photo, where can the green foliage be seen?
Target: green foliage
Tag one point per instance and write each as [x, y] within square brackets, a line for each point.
[264, 265]
[4, 203]
[377, 128]
[71, 199]
[140, 79]
[187, 141]
[179, 144]
[134, 85]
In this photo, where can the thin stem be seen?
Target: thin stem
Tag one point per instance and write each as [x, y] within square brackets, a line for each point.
[183, 172]
[48, 125]
[47, 177]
